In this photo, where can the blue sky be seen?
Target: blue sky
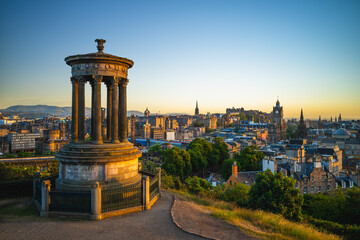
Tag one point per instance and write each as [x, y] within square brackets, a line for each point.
[222, 53]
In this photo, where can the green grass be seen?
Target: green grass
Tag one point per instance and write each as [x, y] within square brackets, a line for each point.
[17, 210]
[257, 223]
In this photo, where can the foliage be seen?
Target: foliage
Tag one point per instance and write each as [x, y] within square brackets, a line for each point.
[291, 131]
[198, 124]
[346, 231]
[277, 194]
[249, 159]
[337, 206]
[238, 193]
[13, 173]
[265, 225]
[196, 185]
[155, 148]
[226, 169]
[258, 223]
[24, 154]
[200, 152]
[176, 162]
[219, 153]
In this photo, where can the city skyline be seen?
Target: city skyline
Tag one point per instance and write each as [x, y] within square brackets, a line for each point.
[237, 54]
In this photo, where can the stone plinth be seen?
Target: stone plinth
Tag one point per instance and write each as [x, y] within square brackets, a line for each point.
[82, 165]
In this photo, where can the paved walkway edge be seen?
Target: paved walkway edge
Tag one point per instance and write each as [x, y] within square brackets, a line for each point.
[178, 225]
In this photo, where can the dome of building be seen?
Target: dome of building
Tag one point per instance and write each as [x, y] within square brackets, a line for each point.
[342, 133]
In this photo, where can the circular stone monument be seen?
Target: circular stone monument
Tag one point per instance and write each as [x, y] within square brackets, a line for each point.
[111, 159]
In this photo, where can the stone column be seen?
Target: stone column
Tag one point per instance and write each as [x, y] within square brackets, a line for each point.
[108, 110]
[115, 111]
[123, 111]
[97, 138]
[92, 109]
[81, 109]
[74, 111]
[146, 192]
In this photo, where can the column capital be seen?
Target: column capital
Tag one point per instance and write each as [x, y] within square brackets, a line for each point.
[80, 79]
[115, 81]
[97, 79]
[124, 82]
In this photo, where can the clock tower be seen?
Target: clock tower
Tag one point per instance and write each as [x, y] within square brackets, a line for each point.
[278, 113]
[277, 129]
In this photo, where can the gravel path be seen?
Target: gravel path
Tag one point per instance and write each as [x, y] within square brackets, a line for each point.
[194, 219]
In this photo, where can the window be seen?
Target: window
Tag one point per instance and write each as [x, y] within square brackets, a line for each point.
[328, 187]
[323, 178]
[297, 185]
[312, 178]
[319, 188]
[312, 189]
[305, 180]
[305, 189]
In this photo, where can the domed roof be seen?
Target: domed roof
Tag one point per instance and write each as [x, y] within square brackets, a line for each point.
[341, 132]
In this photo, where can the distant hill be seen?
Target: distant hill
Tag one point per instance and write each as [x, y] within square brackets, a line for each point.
[37, 111]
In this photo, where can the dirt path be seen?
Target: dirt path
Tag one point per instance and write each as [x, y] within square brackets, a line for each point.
[194, 219]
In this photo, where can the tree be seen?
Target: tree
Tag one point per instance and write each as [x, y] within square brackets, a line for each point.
[198, 185]
[277, 194]
[238, 193]
[220, 152]
[249, 158]
[155, 149]
[226, 169]
[176, 162]
[200, 152]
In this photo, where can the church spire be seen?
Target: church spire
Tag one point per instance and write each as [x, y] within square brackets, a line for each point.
[197, 108]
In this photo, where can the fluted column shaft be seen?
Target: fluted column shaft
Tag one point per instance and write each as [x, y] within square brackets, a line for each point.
[74, 111]
[123, 111]
[81, 104]
[109, 110]
[115, 111]
[97, 138]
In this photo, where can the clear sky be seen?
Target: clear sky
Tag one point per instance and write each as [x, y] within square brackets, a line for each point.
[221, 53]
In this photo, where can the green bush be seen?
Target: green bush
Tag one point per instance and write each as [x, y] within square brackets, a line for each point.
[346, 231]
[238, 193]
[196, 185]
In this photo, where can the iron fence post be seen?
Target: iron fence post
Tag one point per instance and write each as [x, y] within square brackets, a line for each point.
[96, 201]
[45, 198]
[158, 173]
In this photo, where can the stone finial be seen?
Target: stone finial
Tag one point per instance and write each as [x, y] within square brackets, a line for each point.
[100, 45]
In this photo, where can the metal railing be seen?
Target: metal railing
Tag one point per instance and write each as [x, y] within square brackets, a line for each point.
[115, 198]
[68, 201]
[38, 192]
[154, 187]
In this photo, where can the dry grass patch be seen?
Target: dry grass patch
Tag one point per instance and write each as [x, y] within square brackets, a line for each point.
[257, 223]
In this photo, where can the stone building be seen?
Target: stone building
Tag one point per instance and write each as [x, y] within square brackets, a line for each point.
[52, 141]
[277, 128]
[22, 141]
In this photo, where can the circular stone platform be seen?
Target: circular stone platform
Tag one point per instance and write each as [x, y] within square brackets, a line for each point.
[82, 165]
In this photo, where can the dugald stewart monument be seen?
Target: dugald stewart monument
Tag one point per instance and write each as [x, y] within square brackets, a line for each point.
[100, 177]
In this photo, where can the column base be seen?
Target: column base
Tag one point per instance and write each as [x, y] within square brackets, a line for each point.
[115, 141]
[97, 142]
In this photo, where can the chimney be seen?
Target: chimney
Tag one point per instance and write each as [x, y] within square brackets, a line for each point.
[234, 169]
[317, 163]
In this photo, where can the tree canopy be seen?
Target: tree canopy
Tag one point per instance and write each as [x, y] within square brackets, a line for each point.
[177, 162]
[249, 159]
[277, 194]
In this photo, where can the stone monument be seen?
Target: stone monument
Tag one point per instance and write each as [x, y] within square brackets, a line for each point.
[112, 161]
